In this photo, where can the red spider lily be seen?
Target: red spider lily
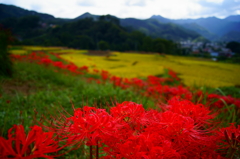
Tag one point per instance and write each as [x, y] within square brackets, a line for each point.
[153, 80]
[35, 144]
[71, 67]
[105, 75]
[182, 133]
[166, 92]
[219, 101]
[131, 132]
[43, 59]
[186, 137]
[59, 64]
[229, 140]
[199, 113]
[88, 124]
[118, 81]
[129, 112]
[145, 146]
[136, 82]
[46, 61]
[84, 68]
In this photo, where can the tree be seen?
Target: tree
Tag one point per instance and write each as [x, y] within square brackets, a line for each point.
[5, 61]
[103, 45]
[109, 18]
[234, 46]
[28, 22]
[158, 46]
[82, 42]
[147, 44]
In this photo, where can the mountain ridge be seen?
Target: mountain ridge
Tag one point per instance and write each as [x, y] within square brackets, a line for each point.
[215, 27]
[211, 28]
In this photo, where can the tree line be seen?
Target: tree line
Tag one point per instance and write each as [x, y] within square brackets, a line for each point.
[105, 33]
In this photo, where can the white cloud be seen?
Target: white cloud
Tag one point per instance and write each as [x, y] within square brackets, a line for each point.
[135, 3]
[174, 9]
[142, 9]
[215, 1]
[86, 3]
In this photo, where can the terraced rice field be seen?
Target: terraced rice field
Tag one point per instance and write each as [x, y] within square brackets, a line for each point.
[193, 71]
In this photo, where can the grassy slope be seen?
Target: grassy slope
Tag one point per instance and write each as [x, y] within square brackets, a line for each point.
[34, 87]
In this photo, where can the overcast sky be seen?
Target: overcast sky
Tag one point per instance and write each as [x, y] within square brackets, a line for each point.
[141, 9]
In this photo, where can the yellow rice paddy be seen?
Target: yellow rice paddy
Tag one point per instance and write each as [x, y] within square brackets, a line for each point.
[193, 71]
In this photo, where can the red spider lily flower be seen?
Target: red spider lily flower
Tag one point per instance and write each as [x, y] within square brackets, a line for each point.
[130, 112]
[130, 116]
[58, 64]
[237, 103]
[177, 91]
[16, 57]
[229, 138]
[89, 124]
[186, 137]
[105, 75]
[166, 92]
[118, 82]
[72, 67]
[33, 145]
[84, 68]
[173, 75]
[146, 145]
[138, 82]
[199, 113]
[215, 100]
[153, 80]
[46, 61]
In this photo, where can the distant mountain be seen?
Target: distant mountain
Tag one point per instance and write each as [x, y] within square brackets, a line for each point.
[87, 15]
[14, 12]
[151, 28]
[231, 36]
[10, 11]
[155, 29]
[233, 18]
[87, 31]
[201, 30]
[161, 19]
[211, 28]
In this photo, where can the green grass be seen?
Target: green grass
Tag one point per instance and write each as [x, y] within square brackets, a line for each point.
[35, 88]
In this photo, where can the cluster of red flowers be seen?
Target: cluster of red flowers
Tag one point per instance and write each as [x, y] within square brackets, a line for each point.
[159, 88]
[154, 87]
[219, 101]
[182, 130]
[163, 89]
[35, 144]
[44, 59]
